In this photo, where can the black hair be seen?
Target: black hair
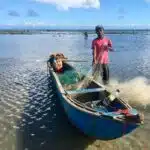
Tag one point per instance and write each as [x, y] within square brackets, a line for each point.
[98, 27]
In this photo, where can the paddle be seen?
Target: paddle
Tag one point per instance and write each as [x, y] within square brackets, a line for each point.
[70, 60]
[77, 60]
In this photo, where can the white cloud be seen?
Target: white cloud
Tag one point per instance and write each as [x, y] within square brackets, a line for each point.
[66, 4]
[147, 0]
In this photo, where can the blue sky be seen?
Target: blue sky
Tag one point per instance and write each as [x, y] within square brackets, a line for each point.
[75, 13]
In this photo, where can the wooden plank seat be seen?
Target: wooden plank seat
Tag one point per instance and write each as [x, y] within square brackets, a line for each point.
[82, 91]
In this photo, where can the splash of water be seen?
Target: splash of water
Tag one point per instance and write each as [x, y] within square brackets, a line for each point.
[136, 90]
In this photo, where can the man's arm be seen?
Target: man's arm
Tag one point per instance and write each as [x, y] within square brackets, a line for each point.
[94, 55]
[94, 51]
[110, 45]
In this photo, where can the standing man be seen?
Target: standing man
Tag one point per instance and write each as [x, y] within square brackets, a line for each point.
[101, 46]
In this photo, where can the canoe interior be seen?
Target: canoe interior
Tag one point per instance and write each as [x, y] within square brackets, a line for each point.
[71, 81]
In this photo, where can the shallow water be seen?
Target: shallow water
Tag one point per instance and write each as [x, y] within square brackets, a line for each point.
[31, 117]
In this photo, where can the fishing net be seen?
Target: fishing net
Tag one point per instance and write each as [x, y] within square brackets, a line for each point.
[69, 77]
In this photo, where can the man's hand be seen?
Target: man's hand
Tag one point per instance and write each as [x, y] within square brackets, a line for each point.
[94, 62]
[107, 47]
[111, 49]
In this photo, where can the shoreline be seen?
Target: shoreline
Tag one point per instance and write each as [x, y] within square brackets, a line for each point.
[47, 31]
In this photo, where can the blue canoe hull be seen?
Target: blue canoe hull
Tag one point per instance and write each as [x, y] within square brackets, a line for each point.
[95, 126]
[98, 127]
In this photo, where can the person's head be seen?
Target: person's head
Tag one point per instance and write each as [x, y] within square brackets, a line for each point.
[99, 31]
[58, 63]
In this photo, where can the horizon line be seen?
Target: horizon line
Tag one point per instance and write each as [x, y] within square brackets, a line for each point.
[72, 28]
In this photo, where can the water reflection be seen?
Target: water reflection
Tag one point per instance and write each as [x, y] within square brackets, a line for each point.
[44, 124]
[30, 114]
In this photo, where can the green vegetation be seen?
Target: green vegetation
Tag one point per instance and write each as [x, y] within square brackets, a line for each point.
[17, 32]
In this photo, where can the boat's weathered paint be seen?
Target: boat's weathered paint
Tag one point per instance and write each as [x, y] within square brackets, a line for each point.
[91, 123]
